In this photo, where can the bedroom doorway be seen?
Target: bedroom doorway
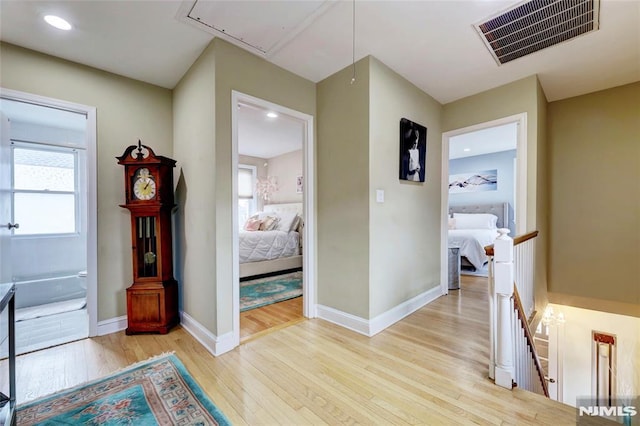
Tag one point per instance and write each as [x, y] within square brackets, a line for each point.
[484, 187]
[273, 220]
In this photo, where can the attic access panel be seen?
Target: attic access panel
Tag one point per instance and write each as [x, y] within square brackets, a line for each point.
[262, 27]
[535, 25]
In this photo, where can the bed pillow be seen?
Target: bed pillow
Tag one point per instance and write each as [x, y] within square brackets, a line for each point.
[252, 224]
[475, 220]
[287, 221]
[452, 223]
[269, 223]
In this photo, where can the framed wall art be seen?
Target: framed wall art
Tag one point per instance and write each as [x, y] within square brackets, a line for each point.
[413, 150]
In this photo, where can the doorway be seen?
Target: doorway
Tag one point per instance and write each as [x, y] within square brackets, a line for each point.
[49, 246]
[471, 155]
[282, 187]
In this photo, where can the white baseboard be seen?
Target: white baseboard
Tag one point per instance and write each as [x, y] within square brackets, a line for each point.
[216, 345]
[395, 314]
[343, 319]
[112, 325]
[376, 325]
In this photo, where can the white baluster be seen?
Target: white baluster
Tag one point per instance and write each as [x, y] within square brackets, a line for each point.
[503, 262]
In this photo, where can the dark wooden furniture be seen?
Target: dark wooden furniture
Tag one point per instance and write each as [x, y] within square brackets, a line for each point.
[152, 299]
[8, 402]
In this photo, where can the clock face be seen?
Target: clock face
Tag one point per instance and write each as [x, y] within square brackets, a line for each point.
[144, 186]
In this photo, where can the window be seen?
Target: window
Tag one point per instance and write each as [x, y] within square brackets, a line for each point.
[45, 198]
[246, 196]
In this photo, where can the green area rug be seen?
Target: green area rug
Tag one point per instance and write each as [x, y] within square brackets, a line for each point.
[159, 391]
[265, 291]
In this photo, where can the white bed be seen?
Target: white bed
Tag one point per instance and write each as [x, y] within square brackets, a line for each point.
[473, 240]
[264, 252]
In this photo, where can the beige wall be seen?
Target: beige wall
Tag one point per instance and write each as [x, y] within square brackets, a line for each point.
[594, 166]
[127, 110]
[404, 231]
[522, 96]
[504, 101]
[202, 103]
[343, 191]
[542, 205]
[194, 150]
[239, 70]
[286, 167]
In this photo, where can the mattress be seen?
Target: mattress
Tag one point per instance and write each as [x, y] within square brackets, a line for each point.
[472, 243]
[256, 246]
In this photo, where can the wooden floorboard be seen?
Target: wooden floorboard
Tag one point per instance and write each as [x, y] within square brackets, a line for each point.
[430, 368]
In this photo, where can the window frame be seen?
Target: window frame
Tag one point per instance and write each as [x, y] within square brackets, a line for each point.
[253, 203]
[35, 146]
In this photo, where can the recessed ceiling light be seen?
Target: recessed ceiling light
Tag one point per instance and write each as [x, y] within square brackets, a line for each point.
[272, 114]
[58, 22]
[467, 149]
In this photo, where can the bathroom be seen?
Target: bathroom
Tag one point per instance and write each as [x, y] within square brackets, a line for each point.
[47, 152]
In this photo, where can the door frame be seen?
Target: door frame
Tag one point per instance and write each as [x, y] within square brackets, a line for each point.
[520, 177]
[308, 202]
[92, 198]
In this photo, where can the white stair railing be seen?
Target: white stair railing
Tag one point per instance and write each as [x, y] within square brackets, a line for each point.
[513, 359]
[524, 259]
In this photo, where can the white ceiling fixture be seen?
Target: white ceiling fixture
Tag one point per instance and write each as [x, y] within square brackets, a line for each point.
[272, 114]
[535, 25]
[57, 22]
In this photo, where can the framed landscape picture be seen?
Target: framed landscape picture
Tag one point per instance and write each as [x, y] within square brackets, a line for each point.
[413, 150]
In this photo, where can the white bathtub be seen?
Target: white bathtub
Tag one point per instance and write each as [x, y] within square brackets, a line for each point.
[46, 290]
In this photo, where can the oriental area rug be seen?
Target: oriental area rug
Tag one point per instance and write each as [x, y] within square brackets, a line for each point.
[159, 391]
[265, 291]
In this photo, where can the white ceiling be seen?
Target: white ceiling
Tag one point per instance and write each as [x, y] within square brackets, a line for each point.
[266, 137]
[485, 141]
[431, 43]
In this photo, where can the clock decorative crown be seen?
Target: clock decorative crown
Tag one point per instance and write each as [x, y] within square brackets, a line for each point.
[152, 173]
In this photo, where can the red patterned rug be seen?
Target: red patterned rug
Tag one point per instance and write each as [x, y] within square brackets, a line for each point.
[159, 391]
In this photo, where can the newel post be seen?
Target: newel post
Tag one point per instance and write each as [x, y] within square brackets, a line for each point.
[503, 273]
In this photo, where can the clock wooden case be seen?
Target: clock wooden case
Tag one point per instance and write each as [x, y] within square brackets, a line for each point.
[152, 299]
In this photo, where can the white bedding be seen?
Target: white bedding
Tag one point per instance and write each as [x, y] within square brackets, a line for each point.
[472, 243]
[257, 246]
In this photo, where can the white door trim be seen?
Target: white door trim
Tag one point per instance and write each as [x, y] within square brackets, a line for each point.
[308, 171]
[92, 198]
[521, 183]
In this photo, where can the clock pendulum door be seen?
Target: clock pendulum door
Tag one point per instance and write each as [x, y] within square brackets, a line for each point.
[147, 242]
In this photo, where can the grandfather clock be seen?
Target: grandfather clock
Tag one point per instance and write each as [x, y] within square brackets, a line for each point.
[152, 299]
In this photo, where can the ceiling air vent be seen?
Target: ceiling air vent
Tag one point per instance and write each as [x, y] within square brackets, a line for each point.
[536, 25]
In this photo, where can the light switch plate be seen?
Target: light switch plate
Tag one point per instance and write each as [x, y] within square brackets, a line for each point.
[380, 195]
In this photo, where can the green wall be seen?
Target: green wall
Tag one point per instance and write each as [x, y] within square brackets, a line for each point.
[202, 122]
[594, 167]
[404, 231]
[343, 191]
[374, 256]
[194, 150]
[127, 110]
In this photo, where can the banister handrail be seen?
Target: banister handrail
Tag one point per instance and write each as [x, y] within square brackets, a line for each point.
[527, 332]
[488, 250]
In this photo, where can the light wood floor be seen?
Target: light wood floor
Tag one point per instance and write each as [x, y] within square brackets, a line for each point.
[260, 321]
[430, 368]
